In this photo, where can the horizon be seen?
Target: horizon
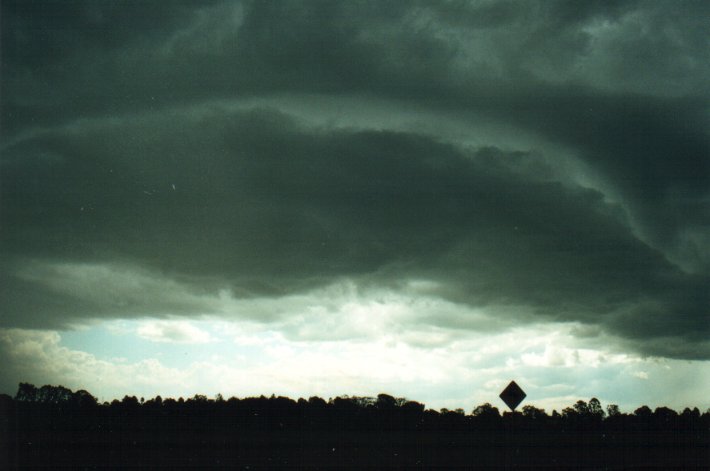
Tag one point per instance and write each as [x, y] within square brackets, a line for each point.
[363, 401]
[321, 198]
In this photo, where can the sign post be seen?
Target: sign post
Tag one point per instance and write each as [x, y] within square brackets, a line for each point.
[512, 395]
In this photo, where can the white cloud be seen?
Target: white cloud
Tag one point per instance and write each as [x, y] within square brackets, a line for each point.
[172, 331]
[38, 357]
[556, 356]
[246, 358]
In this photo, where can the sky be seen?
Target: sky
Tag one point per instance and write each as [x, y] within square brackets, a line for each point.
[320, 198]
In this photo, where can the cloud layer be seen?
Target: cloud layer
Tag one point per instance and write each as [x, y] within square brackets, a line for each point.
[531, 162]
[553, 368]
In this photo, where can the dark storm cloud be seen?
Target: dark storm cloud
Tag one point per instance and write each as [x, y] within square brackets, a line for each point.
[255, 200]
[112, 154]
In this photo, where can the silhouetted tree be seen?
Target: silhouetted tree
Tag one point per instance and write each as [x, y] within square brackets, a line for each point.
[385, 402]
[532, 412]
[413, 407]
[400, 401]
[83, 398]
[693, 413]
[570, 413]
[317, 402]
[46, 394]
[363, 401]
[199, 398]
[581, 408]
[130, 402]
[26, 392]
[594, 408]
[486, 411]
[665, 418]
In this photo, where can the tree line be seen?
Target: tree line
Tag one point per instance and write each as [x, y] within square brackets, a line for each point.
[55, 427]
[58, 406]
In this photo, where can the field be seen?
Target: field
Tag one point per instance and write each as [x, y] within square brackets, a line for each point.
[361, 450]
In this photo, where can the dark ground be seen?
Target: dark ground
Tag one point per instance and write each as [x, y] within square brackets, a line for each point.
[360, 450]
[53, 428]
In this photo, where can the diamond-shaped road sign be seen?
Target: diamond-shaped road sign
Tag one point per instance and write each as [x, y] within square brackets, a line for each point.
[512, 395]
